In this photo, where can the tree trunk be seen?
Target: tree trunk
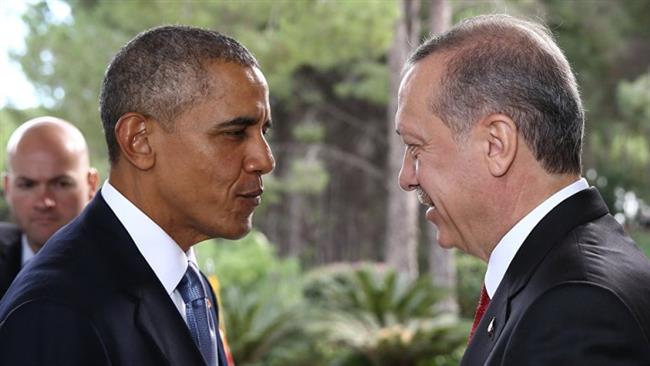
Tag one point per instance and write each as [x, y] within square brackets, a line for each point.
[442, 263]
[439, 16]
[401, 215]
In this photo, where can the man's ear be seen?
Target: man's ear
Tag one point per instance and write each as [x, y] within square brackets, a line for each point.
[502, 139]
[132, 132]
[5, 184]
[93, 181]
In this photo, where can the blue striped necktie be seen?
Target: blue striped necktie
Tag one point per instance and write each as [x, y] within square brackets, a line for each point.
[199, 314]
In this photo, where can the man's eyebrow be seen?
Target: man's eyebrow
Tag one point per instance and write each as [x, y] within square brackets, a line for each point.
[238, 122]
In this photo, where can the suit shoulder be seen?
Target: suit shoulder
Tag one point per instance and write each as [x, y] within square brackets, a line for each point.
[569, 321]
[65, 271]
[9, 235]
[45, 329]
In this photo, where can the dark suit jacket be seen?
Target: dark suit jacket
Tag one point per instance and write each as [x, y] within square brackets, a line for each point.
[576, 293]
[90, 298]
[11, 251]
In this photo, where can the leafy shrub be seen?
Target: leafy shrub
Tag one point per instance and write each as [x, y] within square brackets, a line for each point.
[260, 296]
[338, 315]
[377, 317]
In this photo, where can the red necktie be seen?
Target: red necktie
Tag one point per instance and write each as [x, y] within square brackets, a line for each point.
[483, 303]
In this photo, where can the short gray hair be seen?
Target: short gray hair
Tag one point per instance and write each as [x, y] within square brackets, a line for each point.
[500, 64]
[161, 73]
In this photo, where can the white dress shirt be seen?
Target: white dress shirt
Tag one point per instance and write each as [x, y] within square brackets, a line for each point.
[164, 256]
[27, 252]
[505, 251]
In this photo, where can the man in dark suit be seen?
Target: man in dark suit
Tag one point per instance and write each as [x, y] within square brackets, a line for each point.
[185, 112]
[492, 122]
[10, 254]
[48, 182]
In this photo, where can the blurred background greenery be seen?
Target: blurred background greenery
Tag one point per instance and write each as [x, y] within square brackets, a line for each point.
[340, 276]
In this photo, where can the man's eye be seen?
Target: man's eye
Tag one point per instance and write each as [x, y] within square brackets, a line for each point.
[236, 133]
[266, 131]
[413, 150]
[62, 184]
[25, 184]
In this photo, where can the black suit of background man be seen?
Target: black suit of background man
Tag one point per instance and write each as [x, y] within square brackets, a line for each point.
[10, 255]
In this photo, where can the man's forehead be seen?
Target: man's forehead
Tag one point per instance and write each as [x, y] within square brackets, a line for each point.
[45, 161]
[230, 74]
[407, 80]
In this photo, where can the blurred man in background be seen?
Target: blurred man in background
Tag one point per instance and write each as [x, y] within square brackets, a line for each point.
[492, 122]
[48, 182]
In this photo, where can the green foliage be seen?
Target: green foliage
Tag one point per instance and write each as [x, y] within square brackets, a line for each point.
[307, 176]
[379, 317]
[310, 132]
[347, 33]
[470, 278]
[260, 295]
[642, 238]
[365, 81]
[244, 262]
[339, 315]
[383, 294]
[622, 152]
[633, 99]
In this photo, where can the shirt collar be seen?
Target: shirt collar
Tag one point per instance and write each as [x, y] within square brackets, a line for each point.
[506, 249]
[27, 252]
[162, 253]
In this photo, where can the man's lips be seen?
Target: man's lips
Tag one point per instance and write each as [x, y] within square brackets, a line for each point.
[254, 197]
[252, 194]
[44, 219]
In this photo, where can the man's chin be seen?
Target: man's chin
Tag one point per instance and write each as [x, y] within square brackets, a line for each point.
[37, 242]
[443, 240]
[238, 231]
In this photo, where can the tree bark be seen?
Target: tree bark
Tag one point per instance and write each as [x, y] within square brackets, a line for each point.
[401, 215]
[442, 263]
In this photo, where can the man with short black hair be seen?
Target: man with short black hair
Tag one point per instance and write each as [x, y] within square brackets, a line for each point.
[185, 113]
[48, 182]
[492, 122]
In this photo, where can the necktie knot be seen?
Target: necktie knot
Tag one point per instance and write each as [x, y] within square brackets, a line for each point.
[191, 286]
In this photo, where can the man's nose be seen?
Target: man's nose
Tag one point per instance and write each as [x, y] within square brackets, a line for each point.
[261, 158]
[407, 177]
[45, 199]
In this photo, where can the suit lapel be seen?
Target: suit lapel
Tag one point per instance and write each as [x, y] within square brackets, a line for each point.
[584, 206]
[156, 315]
[488, 331]
[160, 320]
